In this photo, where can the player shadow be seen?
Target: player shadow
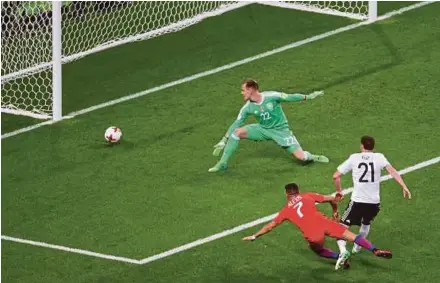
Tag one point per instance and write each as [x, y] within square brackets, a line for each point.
[324, 274]
[396, 59]
[365, 262]
[122, 144]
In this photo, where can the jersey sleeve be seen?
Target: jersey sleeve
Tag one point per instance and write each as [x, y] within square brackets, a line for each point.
[346, 166]
[292, 97]
[316, 197]
[285, 97]
[281, 216]
[241, 118]
[383, 161]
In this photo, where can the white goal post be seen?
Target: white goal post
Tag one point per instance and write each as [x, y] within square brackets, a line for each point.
[38, 37]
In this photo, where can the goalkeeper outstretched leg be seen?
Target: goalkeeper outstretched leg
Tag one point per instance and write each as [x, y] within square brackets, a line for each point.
[302, 155]
[287, 140]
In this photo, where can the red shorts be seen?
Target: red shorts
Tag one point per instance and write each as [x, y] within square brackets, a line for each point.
[324, 227]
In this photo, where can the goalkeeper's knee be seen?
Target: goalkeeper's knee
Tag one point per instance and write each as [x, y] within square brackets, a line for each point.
[240, 133]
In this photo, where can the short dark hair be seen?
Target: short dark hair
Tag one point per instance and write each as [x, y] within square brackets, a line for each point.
[291, 188]
[251, 83]
[368, 142]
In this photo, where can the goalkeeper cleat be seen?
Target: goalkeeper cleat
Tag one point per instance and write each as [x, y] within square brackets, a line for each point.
[383, 253]
[342, 260]
[320, 158]
[218, 167]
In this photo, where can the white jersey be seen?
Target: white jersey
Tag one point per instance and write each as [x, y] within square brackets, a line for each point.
[366, 169]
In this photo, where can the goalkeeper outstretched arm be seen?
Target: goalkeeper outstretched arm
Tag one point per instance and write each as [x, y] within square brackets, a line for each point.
[284, 97]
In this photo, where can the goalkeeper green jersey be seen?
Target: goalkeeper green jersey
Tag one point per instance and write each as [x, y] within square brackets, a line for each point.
[268, 112]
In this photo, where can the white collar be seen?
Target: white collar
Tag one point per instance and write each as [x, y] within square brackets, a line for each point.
[261, 102]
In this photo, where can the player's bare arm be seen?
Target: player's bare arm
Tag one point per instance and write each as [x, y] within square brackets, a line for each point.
[266, 229]
[333, 201]
[337, 181]
[393, 172]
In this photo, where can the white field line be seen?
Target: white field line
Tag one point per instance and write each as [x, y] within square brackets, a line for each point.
[67, 249]
[222, 68]
[267, 218]
[200, 241]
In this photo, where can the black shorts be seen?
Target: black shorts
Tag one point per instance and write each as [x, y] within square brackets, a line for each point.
[358, 213]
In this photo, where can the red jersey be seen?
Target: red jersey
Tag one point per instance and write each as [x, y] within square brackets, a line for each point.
[301, 211]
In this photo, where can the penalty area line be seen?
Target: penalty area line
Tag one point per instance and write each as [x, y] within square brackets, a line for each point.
[223, 68]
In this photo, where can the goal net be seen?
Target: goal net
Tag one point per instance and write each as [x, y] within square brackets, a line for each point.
[87, 27]
[27, 45]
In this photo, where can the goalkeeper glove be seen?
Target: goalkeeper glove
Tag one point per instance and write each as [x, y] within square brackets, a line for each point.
[315, 94]
[219, 146]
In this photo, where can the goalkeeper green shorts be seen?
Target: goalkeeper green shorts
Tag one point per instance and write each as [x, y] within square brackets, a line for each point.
[283, 137]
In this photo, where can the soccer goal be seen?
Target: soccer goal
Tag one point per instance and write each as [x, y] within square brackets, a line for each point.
[38, 37]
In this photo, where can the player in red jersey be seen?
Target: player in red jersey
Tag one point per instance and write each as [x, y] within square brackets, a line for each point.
[301, 211]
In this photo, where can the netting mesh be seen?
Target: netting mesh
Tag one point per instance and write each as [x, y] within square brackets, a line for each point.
[105, 23]
[92, 26]
[29, 95]
[358, 9]
[26, 42]
[352, 9]
[87, 27]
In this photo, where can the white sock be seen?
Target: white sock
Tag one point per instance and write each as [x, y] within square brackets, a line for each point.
[235, 137]
[364, 230]
[307, 156]
[342, 244]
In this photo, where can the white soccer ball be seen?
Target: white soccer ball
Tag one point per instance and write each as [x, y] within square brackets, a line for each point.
[113, 134]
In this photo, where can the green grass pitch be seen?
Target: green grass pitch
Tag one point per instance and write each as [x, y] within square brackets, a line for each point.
[62, 185]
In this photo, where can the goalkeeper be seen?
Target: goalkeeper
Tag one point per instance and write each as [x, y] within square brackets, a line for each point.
[272, 124]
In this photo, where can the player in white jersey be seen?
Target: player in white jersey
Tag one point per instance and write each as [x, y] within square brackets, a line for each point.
[364, 205]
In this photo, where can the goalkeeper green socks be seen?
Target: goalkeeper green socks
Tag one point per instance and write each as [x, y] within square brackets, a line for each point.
[230, 147]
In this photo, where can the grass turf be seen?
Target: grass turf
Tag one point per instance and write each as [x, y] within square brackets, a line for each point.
[62, 185]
